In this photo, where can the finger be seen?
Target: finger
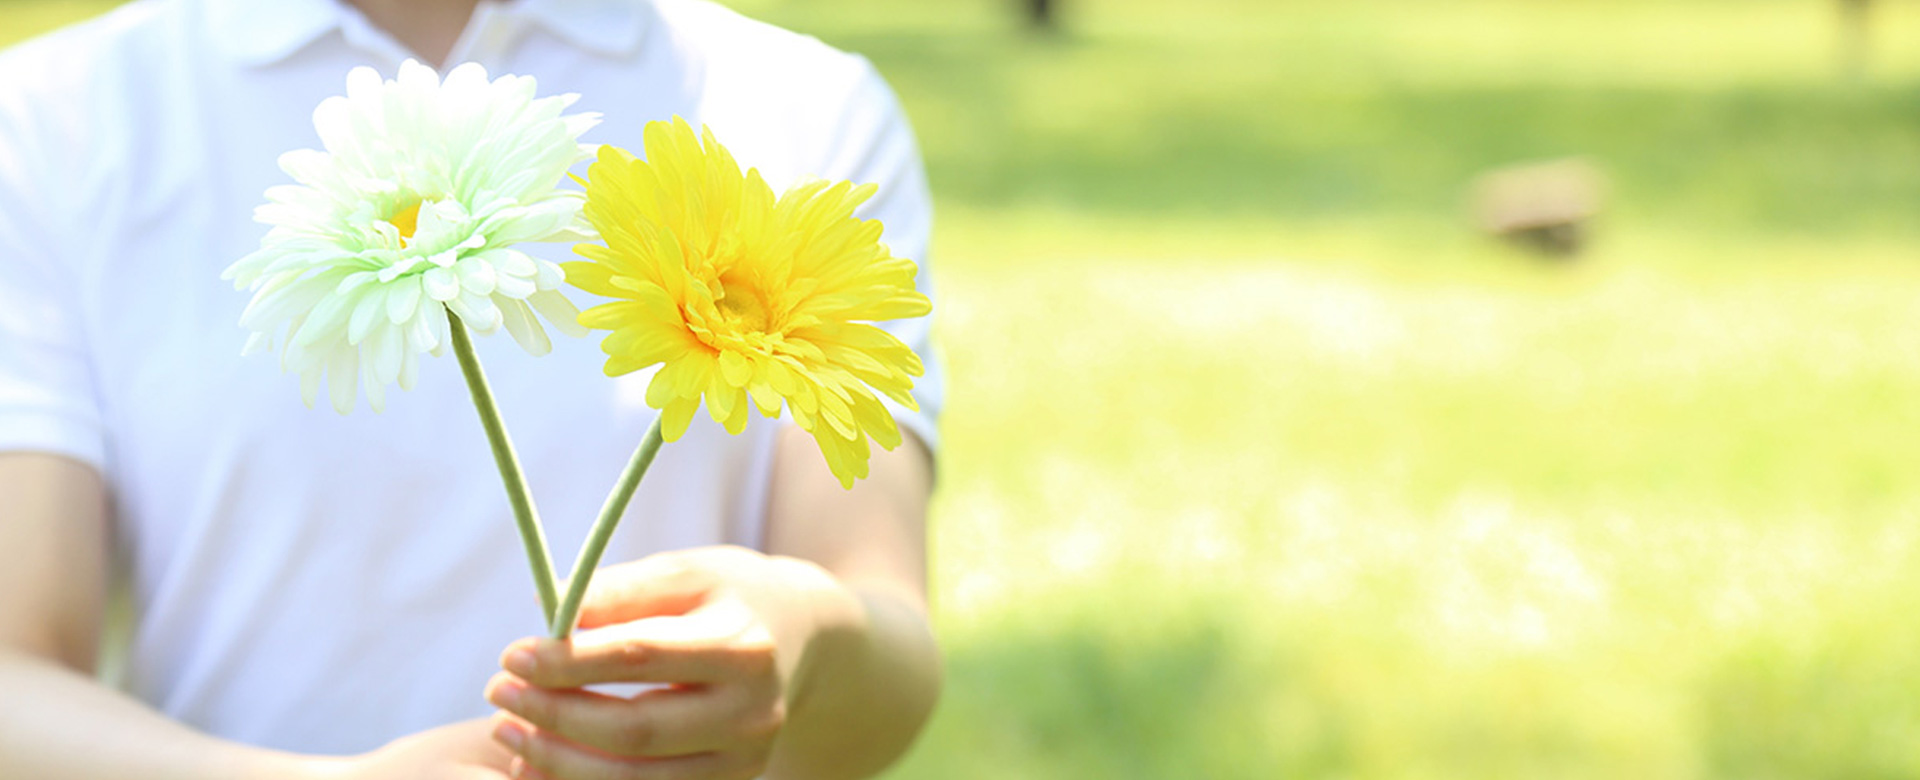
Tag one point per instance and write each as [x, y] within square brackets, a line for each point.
[657, 723]
[519, 770]
[719, 641]
[492, 759]
[558, 759]
[671, 583]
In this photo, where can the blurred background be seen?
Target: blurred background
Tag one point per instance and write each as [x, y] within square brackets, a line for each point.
[1415, 388]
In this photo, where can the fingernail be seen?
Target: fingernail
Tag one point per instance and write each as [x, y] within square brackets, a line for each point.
[506, 695]
[508, 733]
[521, 662]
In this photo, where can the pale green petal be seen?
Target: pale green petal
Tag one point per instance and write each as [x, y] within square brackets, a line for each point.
[559, 311]
[440, 284]
[526, 330]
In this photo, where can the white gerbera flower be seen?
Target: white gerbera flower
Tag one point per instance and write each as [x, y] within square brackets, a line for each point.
[413, 210]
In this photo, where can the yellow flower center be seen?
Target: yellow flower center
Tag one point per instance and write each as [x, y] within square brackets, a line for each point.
[745, 306]
[406, 220]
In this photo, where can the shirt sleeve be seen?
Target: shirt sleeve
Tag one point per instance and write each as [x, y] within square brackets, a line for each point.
[874, 143]
[47, 398]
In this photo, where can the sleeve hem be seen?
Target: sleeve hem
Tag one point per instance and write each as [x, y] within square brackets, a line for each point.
[920, 424]
[54, 435]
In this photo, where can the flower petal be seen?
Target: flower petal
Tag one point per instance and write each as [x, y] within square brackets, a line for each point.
[403, 299]
[343, 368]
[559, 311]
[372, 307]
[476, 275]
[519, 321]
[675, 418]
[735, 368]
[440, 284]
[477, 311]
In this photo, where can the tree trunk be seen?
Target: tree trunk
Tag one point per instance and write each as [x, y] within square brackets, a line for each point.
[1043, 14]
[1856, 37]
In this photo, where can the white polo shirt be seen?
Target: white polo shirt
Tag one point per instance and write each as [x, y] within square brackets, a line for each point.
[320, 583]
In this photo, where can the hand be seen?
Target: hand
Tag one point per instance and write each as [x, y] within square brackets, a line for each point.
[721, 630]
[462, 751]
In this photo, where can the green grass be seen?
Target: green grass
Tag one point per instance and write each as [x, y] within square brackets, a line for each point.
[1260, 463]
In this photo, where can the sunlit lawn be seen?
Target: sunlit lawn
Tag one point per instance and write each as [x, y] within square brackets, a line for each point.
[1259, 464]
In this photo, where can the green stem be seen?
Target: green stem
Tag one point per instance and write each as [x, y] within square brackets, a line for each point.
[524, 513]
[596, 545]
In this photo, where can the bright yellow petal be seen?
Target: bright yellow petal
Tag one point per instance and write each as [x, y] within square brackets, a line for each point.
[737, 421]
[675, 418]
[735, 368]
[764, 397]
[876, 421]
[846, 457]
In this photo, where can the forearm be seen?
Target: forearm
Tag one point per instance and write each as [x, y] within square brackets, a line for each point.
[59, 723]
[870, 674]
[867, 685]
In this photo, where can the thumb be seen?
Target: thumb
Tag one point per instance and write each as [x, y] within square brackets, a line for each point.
[657, 585]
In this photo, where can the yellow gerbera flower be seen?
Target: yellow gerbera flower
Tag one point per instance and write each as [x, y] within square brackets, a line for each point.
[746, 298]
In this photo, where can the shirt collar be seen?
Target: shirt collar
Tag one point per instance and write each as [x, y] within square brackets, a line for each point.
[257, 32]
[609, 27]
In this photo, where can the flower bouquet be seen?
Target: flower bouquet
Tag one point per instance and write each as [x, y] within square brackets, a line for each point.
[399, 239]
